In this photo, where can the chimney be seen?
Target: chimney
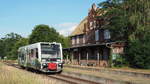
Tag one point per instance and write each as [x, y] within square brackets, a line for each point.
[94, 6]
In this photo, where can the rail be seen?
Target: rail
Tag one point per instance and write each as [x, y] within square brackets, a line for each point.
[60, 77]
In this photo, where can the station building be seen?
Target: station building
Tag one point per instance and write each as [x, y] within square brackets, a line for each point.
[91, 42]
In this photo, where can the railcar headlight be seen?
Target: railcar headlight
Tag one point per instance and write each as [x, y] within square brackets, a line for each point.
[59, 64]
[44, 64]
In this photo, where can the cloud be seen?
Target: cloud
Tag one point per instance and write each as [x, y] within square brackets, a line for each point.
[66, 28]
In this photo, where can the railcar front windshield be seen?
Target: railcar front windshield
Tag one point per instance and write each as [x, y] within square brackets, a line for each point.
[50, 50]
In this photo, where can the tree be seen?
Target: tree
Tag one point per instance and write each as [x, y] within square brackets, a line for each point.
[138, 52]
[20, 43]
[65, 41]
[8, 42]
[2, 47]
[43, 33]
[115, 19]
[129, 19]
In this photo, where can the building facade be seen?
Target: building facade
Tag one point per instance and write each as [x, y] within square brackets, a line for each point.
[91, 43]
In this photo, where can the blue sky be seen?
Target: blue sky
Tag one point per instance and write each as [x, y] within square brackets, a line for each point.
[20, 16]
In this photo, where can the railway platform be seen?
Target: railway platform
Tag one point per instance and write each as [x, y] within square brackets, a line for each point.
[108, 75]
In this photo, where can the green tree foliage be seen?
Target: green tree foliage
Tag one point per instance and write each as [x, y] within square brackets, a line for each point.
[2, 47]
[64, 41]
[43, 33]
[130, 20]
[115, 18]
[138, 50]
[138, 53]
[7, 43]
[20, 43]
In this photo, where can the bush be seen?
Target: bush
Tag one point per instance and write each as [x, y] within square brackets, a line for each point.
[138, 52]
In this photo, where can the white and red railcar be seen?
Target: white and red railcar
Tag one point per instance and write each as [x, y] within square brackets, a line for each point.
[42, 56]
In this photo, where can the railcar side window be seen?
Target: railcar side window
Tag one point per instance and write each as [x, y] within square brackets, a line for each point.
[32, 52]
[37, 56]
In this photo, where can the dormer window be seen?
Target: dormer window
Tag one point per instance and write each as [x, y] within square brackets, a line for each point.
[94, 24]
[106, 34]
[91, 25]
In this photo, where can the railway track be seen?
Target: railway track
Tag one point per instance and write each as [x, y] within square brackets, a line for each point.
[64, 78]
[71, 80]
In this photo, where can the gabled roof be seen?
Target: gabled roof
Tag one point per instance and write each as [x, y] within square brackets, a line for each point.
[79, 29]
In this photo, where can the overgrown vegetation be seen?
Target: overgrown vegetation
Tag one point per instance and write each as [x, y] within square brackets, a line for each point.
[11, 75]
[129, 20]
[41, 33]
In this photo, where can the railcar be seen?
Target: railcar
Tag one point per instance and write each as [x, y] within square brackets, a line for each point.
[42, 56]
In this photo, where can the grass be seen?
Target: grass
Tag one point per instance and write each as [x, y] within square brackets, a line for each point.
[131, 69]
[117, 68]
[11, 75]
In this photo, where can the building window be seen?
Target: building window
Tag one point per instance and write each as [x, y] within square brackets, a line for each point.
[94, 24]
[106, 34]
[83, 38]
[96, 35]
[91, 25]
[77, 39]
[73, 40]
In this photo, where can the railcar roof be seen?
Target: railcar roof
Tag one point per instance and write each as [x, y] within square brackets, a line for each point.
[39, 43]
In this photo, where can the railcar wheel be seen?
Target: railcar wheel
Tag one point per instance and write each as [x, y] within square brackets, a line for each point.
[22, 67]
[27, 68]
[59, 72]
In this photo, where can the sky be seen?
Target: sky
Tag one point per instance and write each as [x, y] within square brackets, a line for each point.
[21, 16]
